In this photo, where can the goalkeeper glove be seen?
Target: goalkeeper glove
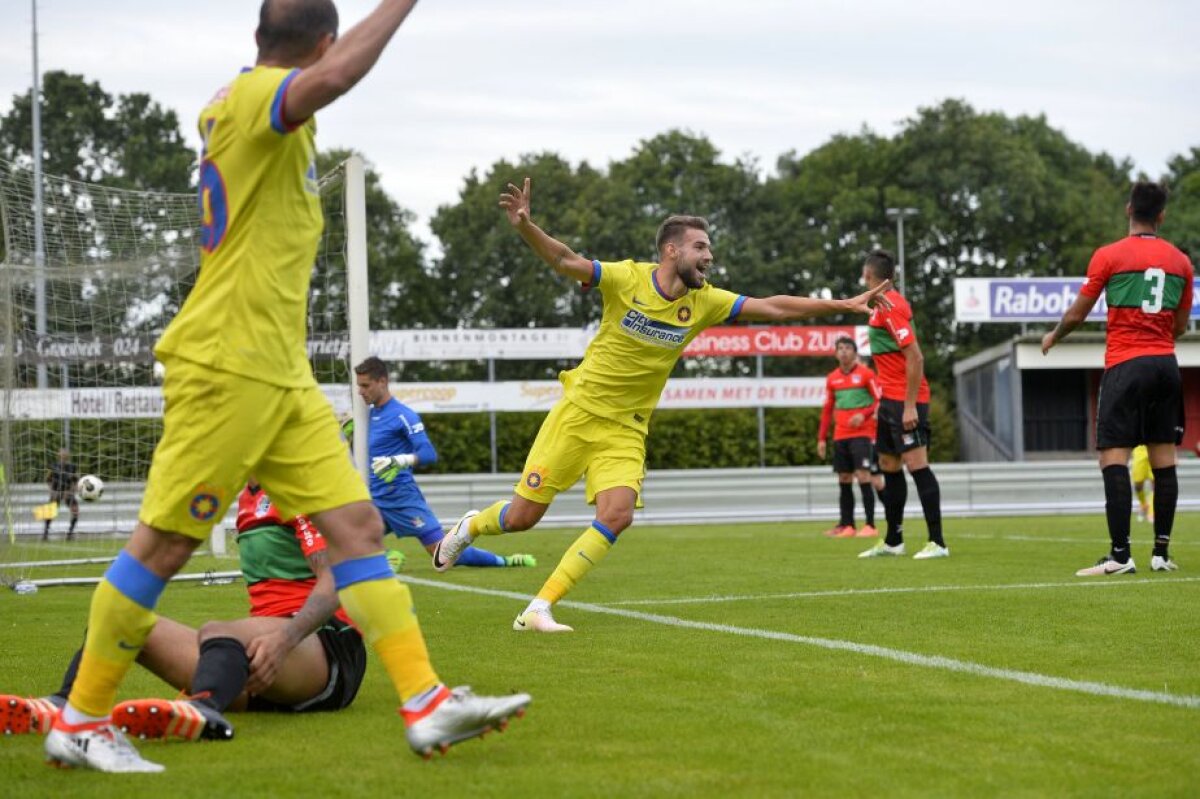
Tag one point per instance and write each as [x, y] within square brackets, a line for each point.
[388, 467]
[347, 423]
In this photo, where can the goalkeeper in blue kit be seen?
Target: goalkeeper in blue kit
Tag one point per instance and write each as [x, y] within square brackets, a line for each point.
[397, 443]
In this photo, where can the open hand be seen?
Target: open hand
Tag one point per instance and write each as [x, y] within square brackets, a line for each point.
[868, 300]
[515, 203]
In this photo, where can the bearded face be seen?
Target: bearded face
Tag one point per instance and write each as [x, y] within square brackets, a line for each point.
[693, 258]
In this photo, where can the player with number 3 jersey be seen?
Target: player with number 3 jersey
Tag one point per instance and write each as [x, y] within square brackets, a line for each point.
[1149, 285]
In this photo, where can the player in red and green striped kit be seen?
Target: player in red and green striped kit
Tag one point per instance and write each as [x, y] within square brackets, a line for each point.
[296, 652]
[902, 428]
[851, 398]
[1149, 284]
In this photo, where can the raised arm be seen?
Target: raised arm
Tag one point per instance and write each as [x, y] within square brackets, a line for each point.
[561, 258]
[347, 61]
[786, 308]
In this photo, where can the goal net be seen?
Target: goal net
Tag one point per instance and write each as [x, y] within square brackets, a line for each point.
[77, 371]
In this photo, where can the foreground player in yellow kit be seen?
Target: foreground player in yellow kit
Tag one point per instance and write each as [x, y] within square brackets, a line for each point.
[241, 397]
[651, 312]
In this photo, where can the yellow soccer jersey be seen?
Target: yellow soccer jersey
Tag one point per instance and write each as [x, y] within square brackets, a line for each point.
[260, 223]
[642, 333]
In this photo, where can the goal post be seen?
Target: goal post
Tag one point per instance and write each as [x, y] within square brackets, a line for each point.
[118, 265]
[358, 296]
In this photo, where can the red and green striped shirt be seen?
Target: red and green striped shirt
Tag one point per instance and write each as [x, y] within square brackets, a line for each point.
[848, 394]
[890, 330]
[1146, 281]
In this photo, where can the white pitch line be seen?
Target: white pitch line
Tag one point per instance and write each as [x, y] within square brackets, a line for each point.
[920, 589]
[74, 548]
[887, 653]
[1043, 539]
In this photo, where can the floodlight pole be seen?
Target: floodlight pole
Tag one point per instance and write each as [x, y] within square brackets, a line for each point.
[39, 236]
[900, 214]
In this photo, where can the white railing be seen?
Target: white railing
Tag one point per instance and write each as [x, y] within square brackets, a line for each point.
[707, 495]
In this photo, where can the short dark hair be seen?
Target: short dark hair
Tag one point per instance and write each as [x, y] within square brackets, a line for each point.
[845, 340]
[673, 226]
[882, 264]
[373, 368]
[1147, 200]
[290, 29]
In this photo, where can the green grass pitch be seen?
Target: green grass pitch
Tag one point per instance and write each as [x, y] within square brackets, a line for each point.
[732, 660]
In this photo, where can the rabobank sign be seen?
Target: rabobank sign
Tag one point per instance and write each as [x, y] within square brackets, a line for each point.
[1024, 299]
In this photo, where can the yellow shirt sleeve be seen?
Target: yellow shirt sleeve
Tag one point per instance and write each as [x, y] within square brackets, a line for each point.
[611, 274]
[720, 306]
[257, 106]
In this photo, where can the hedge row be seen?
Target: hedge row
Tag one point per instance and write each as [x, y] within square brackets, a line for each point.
[120, 449]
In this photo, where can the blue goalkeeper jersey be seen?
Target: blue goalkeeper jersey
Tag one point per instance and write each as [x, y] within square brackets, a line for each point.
[396, 429]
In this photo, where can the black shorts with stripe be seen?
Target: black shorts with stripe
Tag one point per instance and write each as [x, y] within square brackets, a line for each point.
[890, 436]
[852, 454]
[1141, 402]
[347, 658]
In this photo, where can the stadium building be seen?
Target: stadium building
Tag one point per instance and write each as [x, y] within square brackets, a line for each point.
[1016, 404]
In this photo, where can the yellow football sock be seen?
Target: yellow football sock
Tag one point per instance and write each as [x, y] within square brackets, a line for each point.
[487, 521]
[1141, 496]
[587, 551]
[117, 629]
[383, 610]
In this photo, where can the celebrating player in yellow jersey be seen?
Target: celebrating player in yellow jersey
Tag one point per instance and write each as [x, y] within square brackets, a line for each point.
[241, 397]
[651, 312]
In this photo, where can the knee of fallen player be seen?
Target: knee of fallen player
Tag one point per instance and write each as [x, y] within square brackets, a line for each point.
[215, 629]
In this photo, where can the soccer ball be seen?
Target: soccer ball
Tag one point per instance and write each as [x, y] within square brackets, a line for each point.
[91, 488]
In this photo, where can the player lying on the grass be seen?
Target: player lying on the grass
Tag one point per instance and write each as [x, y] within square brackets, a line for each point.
[296, 652]
[242, 398]
[1148, 285]
[851, 399]
[397, 443]
[651, 312]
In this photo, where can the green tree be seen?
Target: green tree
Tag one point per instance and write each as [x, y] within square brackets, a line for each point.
[996, 195]
[128, 141]
[1182, 223]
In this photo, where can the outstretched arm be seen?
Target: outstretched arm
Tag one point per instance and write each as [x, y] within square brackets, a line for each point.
[786, 308]
[561, 258]
[347, 62]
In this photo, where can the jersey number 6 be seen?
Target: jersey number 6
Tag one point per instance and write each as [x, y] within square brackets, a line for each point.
[214, 206]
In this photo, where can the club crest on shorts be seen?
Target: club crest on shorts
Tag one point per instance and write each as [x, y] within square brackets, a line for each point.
[535, 478]
[206, 499]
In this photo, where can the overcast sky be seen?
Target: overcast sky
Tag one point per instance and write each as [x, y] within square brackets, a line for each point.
[466, 82]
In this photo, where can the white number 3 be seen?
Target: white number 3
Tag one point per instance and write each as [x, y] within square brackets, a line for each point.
[1157, 279]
